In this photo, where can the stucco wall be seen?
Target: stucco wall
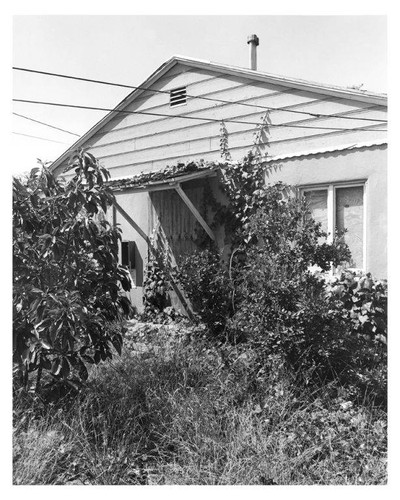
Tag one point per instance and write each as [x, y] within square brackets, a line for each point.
[367, 164]
[137, 207]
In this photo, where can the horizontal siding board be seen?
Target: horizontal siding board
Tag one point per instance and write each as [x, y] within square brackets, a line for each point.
[209, 140]
[209, 130]
[141, 125]
[274, 99]
[215, 88]
[287, 147]
[129, 144]
[149, 99]
[159, 124]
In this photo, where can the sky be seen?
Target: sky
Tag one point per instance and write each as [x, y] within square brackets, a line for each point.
[339, 50]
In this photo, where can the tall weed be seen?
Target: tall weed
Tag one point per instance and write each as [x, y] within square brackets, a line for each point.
[171, 411]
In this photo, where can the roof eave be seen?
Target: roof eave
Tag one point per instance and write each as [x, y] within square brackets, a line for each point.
[366, 96]
[167, 183]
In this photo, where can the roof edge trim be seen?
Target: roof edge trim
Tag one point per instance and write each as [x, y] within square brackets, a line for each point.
[312, 152]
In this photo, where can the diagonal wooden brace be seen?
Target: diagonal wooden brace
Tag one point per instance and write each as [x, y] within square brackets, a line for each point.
[174, 285]
[194, 211]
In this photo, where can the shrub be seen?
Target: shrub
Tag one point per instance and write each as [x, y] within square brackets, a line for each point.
[322, 332]
[206, 281]
[67, 281]
[271, 297]
[155, 287]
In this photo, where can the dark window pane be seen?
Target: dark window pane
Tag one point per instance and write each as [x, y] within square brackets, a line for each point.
[125, 253]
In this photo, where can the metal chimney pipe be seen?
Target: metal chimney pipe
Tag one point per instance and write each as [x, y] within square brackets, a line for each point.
[254, 42]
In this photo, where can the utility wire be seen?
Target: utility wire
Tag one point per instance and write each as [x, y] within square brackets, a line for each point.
[46, 124]
[132, 87]
[189, 117]
[41, 138]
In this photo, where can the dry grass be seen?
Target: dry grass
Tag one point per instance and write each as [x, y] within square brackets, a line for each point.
[176, 415]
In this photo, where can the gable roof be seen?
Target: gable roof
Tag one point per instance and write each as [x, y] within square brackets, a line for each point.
[293, 83]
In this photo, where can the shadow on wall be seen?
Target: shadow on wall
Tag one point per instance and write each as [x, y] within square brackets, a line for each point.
[272, 169]
[138, 275]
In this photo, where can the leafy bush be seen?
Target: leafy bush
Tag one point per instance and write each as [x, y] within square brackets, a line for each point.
[206, 282]
[155, 287]
[322, 331]
[360, 306]
[272, 298]
[67, 281]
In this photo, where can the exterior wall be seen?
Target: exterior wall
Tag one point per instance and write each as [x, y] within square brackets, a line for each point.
[135, 143]
[367, 164]
[138, 208]
[163, 216]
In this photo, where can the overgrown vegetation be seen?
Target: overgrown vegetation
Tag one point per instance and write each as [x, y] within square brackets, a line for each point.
[269, 295]
[176, 410]
[281, 380]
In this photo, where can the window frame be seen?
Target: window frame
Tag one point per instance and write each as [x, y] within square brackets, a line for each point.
[331, 188]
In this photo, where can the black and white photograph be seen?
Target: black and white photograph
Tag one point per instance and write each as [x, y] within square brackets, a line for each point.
[199, 250]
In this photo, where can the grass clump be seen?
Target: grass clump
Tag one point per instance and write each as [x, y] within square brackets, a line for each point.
[170, 411]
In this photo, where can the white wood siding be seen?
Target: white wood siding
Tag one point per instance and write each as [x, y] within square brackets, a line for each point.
[130, 144]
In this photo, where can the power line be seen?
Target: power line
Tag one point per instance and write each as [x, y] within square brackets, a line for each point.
[133, 87]
[41, 138]
[46, 124]
[94, 108]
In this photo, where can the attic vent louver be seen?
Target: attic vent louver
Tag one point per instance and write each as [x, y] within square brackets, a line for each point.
[177, 96]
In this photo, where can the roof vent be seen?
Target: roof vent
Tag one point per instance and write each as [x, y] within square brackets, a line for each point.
[254, 41]
[177, 97]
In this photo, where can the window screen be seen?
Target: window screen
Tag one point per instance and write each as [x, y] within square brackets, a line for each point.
[318, 205]
[349, 215]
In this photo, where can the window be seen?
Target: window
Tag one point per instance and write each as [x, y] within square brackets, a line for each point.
[128, 254]
[177, 97]
[341, 206]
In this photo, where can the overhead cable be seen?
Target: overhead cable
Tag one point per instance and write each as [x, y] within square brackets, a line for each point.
[241, 103]
[46, 124]
[95, 108]
[41, 138]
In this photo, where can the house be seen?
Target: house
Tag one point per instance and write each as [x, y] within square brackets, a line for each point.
[329, 141]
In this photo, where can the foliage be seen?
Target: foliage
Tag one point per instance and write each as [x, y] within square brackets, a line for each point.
[223, 142]
[364, 303]
[276, 240]
[67, 281]
[170, 411]
[243, 184]
[323, 332]
[206, 281]
[270, 296]
[155, 288]
[169, 172]
[360, 306]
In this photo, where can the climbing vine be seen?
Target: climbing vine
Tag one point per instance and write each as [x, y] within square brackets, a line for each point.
[223, 142]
